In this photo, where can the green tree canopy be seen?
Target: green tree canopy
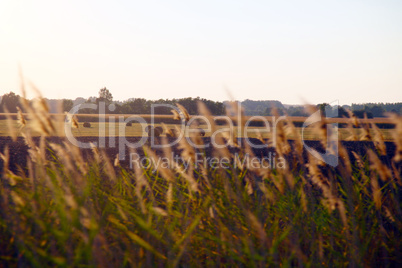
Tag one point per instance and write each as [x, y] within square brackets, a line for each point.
[105, 95]
[10, 102]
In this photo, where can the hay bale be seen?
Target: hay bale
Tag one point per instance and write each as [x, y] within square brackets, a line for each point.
[149, 128]
[160, 129]
[201, 132]
[153, 131]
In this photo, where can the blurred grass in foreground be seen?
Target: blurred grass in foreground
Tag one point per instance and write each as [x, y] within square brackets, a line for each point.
[64, 210]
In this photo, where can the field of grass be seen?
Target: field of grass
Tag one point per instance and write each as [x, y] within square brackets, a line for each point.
[64, 210]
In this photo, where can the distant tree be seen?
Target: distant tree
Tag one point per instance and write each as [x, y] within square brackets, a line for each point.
[377, 111]
[252, 107]
[342, 112]
[322, 107]
[268, 111]
[140, 106]
[337, 111]
[161, 109]
[105, 95]
[67, 105]
[215, 107]
[296, 111]
[10, 101]
[92, 99]
[362, 113]
[347, 107]
[118, 109]
[78, 101]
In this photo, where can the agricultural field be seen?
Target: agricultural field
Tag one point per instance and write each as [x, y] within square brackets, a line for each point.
[67, 206]
[136, 130]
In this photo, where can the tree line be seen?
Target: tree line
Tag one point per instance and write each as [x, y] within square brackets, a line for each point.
[10, 101]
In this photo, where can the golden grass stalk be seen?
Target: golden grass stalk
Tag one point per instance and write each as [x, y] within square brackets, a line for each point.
[176, 115]
[257, 227]
[108, 167]
[231, 138]
[269, 195]
[140, 184]
[169, 197]
[21, 119]
[344, 156]
[259, 136]
[353, 118]
[74, 121]
[187, 153]
[167, 174]
[281, 143]
[291, 130]
[95, 152]
[375, 188]
[77, 157]
[359, 160]
[116, 161]
[183, 111]
[378, 140]
[320, 127]
[378, 166]
[365, 135]
[352, 122]
[303, 197]
[397, 135]
[10, 125]
[167, 130]
[7, 174]
[223, 150]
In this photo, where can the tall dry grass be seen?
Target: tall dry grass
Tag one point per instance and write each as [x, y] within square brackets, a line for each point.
[64, 210]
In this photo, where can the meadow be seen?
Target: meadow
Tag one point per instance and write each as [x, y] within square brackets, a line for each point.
[66, 210]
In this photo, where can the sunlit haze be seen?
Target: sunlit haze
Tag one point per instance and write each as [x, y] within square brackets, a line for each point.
[291, 51]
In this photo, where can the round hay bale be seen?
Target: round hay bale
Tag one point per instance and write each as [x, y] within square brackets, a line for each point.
[201, 132]
[148, 129]
[157, 132]
[154, 132]
[160, 129]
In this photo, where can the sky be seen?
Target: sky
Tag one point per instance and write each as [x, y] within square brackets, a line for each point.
[291, 51]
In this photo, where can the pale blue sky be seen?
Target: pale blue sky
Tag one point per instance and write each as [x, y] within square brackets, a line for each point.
[318, 51]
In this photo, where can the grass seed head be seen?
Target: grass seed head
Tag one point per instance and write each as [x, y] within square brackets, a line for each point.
[21, 119]
[378, 140]
[176, 115]
[183, 112]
